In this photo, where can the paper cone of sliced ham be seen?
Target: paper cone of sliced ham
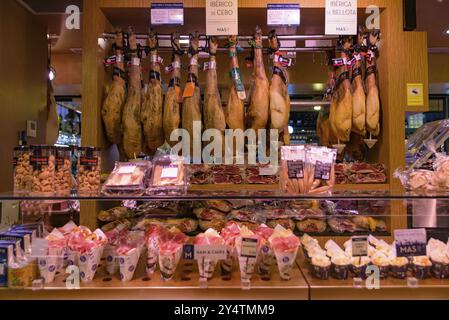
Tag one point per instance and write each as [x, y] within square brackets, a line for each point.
[170, 252]
[266, 253]
[53, 260]
[206, 267]
[88, 247]
[247, 257]
[229, 233]
[155, 235]
[66, 230]
[128, 254]
[285, 246]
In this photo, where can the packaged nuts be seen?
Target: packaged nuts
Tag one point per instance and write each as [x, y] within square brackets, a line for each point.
[42, 161]
[63, 175]
[22, 170]
[89, 170]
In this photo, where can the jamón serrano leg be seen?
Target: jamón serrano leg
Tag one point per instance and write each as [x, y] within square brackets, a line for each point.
[340, 115]
[358, 97]
[132, 129]
[213, 113]
[172, 111]
[152, 109]
[257, 114]
[279, 97]
[191, 108]
[112, 109]
[372, 98]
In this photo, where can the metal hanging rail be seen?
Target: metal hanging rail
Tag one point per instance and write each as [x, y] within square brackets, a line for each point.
[203, 37]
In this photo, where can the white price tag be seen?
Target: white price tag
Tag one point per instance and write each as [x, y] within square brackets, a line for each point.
[249, 248]
[211, 252]
[39, 247]
[341, 17]
[167, 13]
[126, 169]
[221, 17]
[169, 172]
[359, 246]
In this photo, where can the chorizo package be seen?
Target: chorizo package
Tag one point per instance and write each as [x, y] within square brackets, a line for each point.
[169, 175]
[291, 176]
[319, 169]
[307, 169]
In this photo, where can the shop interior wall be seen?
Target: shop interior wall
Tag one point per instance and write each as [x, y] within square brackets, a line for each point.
[438, 67]
[23, 85]
[68, 73]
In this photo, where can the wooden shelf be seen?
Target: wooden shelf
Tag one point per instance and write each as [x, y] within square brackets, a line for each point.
[273, 187]
[389, 289]
[184, 286]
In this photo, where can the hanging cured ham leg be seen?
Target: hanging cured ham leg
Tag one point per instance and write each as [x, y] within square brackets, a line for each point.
[191, 108]
[257, 114]
[132, 129]
[213, 113]
[340, 115]
[279, 97]
[112, 109]
[152, 109]
[358, 97]
[372, 98]
[172, 111]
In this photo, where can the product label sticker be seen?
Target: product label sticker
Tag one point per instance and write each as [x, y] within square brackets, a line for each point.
[126, 169]
[295, 169]
[88, 161]
[169, 172]
[38, 161]
[188, 251]
[410, 242]
[189, 90]
[167, 14]
[210, 252]
[359, 246]
[322, 170]
[341, 17]
[249, 248]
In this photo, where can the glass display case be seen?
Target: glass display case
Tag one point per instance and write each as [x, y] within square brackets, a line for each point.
[329, 220]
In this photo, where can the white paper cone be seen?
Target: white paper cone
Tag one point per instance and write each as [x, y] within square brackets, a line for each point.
[60, 259]
[285, 261]
[226, 265]
[111, 259]
[206, 268]
[128, 264]
[48, 265]
[247, 266]
[72, 257]
[265, 259]
[88, 263]
[168, 263]
[151, 262]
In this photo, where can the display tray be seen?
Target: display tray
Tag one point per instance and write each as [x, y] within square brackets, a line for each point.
[389, 289]
[184, 286]
[238, 193]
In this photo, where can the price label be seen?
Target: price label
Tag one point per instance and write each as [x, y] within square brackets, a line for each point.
[284, 14]
[167, 14]
[410, 242]
[249, 248]
[221, 17]
[211, 252]
[359, 246]
[341, 17]
[188, 251]
[169, 172]
[126, 169]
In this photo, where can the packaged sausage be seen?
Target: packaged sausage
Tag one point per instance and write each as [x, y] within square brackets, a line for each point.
[128, 178]
[89, 169]
[319, 169]
[42, 161]
[291, 177]
[168, 176]
[22, 170]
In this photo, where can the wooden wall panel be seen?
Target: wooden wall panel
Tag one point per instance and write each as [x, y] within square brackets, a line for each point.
[438, 67]
[23, 84]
